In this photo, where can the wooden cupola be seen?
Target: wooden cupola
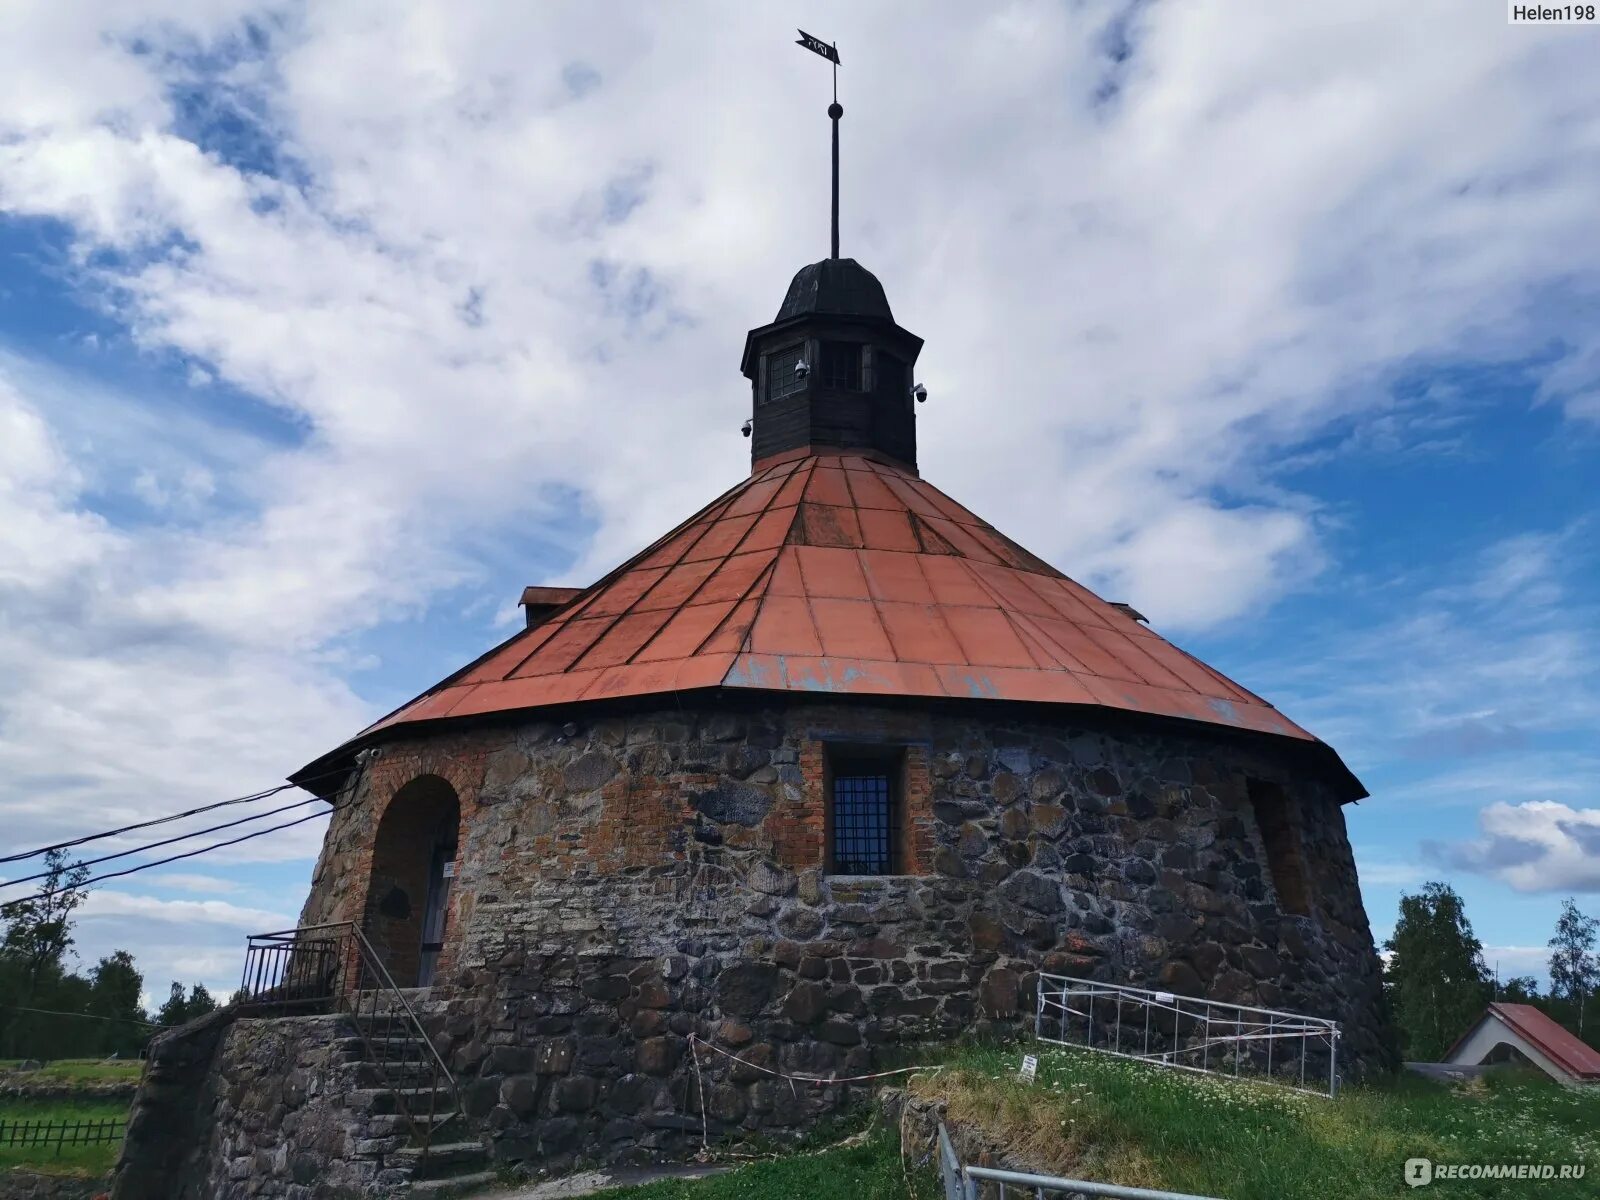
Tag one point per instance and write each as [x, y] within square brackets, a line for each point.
[833, 371]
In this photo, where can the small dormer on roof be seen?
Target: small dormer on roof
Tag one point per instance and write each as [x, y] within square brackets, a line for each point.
[833, 371]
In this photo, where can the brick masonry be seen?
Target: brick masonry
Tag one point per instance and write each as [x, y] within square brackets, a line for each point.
[664, 873]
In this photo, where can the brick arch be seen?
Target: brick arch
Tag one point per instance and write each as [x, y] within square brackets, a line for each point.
[421, 816]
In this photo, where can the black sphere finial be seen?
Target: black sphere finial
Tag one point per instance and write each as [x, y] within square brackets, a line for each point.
[836, 110]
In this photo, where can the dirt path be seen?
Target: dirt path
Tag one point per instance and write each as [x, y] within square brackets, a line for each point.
[588, 1182]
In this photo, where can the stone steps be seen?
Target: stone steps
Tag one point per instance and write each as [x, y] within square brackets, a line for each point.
[385, 1100]
[443, 1160]
[458, 1185]
[393, 1072]
[384, 1002]
[396, 1050]
[395, 1067]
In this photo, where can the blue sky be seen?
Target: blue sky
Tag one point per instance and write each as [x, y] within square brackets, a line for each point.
[325, 329]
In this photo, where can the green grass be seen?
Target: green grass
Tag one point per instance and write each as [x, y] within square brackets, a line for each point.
[91, 1070]
[1122, 1122]
[868, 1169]
[94, 1159]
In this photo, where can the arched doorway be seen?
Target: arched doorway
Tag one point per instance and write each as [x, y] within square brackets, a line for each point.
[413, 864]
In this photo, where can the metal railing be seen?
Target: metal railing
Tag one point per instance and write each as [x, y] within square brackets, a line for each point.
[962, 1182]
[334, 967]
[1190, 1034]
[44, 1133]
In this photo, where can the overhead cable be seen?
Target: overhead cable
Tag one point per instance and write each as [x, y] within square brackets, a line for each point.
[178, 857]
[182, 837]
[193, 812]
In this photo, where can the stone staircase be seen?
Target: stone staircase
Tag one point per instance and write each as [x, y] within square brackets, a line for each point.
[395, 1077]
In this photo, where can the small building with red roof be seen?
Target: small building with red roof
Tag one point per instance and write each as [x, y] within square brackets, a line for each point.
[1520, 1033]
[831, 767]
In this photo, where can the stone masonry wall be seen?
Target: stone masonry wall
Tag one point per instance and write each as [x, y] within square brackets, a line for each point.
[170, 1124]
[291, 1116]
[18, 1184]
[273, 1108]
[663, 874]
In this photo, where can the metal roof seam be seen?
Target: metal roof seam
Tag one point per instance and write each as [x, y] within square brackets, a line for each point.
[707, 516]
[938, 609]
[781, 583]
[714, 572]
[1001, 603]
[772, 503]
[929, 539]
[1032, 631]
[759, 582]
[944, 505]
[1243, 694]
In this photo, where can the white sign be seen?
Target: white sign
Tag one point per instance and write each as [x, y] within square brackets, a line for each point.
[450, 869]
[1030, 1068]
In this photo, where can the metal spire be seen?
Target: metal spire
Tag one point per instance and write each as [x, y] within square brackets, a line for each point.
[830, 52]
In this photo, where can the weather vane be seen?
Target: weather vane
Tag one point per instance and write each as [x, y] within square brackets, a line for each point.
[830, 52]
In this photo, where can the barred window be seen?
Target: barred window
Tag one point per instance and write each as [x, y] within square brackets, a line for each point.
[1281, 839]
[840, 365]
[864, 811]
[781, 377]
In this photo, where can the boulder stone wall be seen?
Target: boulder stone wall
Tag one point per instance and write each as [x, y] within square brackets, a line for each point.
[627, 881]
[280, 1111]
[169, 1125]
[17, 1183]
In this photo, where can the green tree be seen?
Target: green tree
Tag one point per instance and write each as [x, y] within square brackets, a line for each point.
[200, 1001]
[1574, 969]
[114, 990]
[1521, 989]
[39, 927]
[33, 974]
[180, 1008]
[176, 1009]
[1436, 977]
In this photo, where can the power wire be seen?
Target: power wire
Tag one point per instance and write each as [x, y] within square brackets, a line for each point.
[160, 862]
[193, 812]
[182, 837]
[55, 1012]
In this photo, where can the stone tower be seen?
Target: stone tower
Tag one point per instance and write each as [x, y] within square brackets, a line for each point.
[832, 765]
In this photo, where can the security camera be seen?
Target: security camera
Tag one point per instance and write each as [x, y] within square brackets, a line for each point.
[747, 427]
[919, 394]
[802, 369]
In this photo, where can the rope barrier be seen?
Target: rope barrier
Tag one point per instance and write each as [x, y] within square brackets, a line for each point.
[696, 1041]
[819, 1080]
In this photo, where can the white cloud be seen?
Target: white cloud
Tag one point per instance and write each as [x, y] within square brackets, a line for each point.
[198, 883]
[1486, 669]
[106, 903]
[188, 941]
[1538, 846]
[1512, 961]
[112, 714]
[1341, 187]
[1391, 874]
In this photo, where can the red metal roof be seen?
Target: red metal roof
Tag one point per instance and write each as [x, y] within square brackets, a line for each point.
[1554, 1041]
[841, 574]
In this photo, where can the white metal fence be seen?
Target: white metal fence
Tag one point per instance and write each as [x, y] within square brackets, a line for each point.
[1190, 1034]
[963, 1182]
